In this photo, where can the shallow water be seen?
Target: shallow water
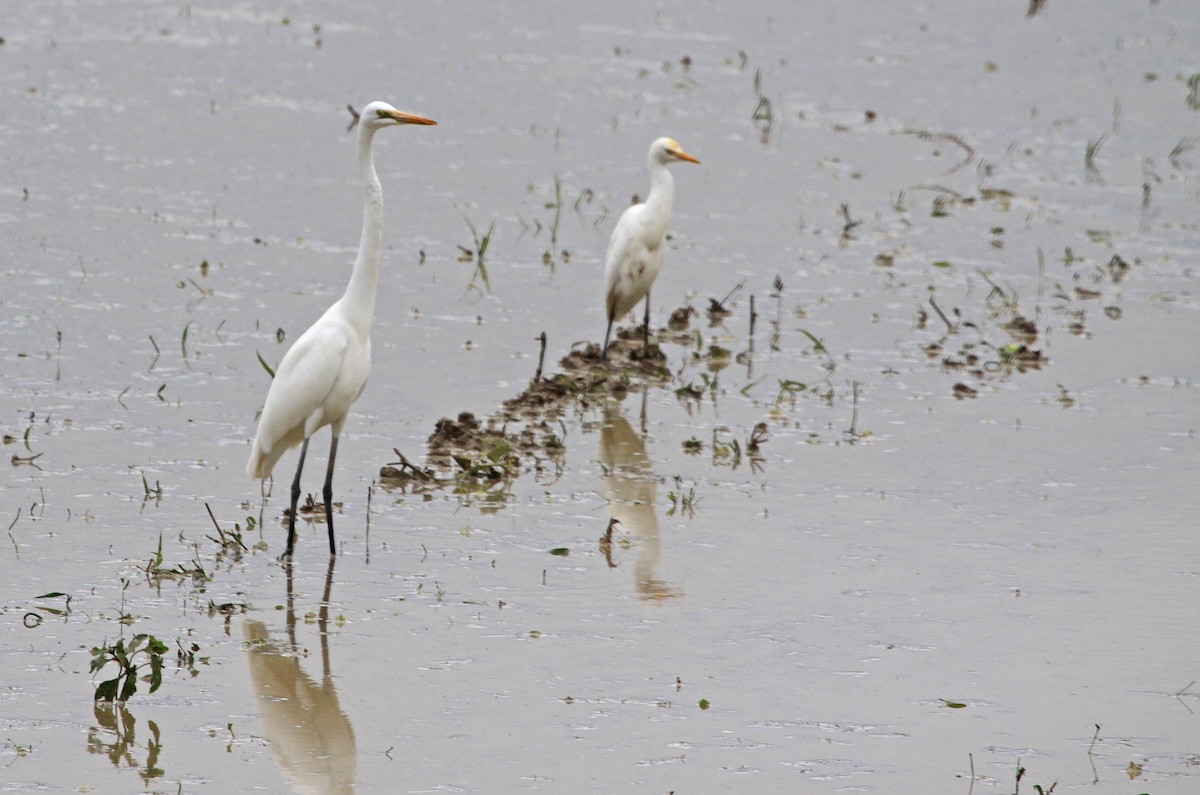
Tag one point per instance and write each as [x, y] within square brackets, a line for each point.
[961, 583]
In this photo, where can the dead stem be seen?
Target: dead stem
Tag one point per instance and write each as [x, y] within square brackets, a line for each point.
[541, 357]
[411, 467]
[926, 135]
[952, 328]
[853, 432]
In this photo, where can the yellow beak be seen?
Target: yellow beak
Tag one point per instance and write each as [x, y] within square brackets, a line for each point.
[407, 118]
[679, 154]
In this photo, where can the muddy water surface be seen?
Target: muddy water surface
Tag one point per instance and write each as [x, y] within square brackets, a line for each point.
[930, 514]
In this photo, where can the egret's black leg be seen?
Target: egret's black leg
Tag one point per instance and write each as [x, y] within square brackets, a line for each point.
[291, 544]
[329, 494]
[645, 392]
[607, 334]
[646, 327]
[323, 621]
[290, 616]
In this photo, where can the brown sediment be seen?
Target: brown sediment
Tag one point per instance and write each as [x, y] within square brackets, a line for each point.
[470, 454]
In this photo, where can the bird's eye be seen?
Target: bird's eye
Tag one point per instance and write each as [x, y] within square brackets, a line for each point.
[383, 114]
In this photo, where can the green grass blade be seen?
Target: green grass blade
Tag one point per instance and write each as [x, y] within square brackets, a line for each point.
[264, 364]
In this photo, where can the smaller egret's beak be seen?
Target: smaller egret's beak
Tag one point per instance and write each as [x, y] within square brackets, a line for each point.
[407, 118]
[679, 154]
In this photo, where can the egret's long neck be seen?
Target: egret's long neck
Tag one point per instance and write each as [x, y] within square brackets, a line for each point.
[662, 195]
[360, 293]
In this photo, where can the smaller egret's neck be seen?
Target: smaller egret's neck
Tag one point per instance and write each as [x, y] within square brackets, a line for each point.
[359, 300]
[662, 194]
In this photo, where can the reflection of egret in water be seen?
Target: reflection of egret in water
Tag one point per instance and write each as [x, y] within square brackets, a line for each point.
[310, 736]
[631, 491]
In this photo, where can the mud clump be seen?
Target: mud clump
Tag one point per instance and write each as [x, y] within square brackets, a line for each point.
[459, 434]
[471, 455]
[542, 397]
[585, 376]
[464, 440]
[1022, 329]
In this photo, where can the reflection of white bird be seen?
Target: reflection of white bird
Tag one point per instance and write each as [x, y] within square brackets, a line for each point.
[326, 369]
[635, 251]
[631, 490]
[310, 736]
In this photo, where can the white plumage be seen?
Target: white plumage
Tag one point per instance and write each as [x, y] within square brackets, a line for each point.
[326, 369]
[635, 251]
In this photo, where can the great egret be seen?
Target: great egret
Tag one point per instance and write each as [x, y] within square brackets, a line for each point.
[635, 251]
[326, 369]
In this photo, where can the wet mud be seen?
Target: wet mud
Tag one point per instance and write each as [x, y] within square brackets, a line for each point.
[524, 434]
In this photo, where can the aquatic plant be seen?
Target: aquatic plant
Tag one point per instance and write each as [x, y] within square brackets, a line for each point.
[477, 255]
[1038, 787]
[183, 339]
[1089, 156]
[34, 617]
[763, 116]
[270, 370]
[143, 651]
[148, 493]
[683, 502]
[156, 573]
[1182, 148]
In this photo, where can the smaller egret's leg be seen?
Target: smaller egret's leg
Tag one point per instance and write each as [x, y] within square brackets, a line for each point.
[291, 544]
[646, 327]
[607, 334]
[328, 494]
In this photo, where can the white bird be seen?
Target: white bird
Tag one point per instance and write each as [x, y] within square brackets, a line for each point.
[635, 251]
[326, 369]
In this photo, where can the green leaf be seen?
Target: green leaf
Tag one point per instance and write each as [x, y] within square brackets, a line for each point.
[746, 389]
[483, 246]
[562, 552]
[953, 704]
[106, 691]
[129, 688]
[818, 345]
[156, 667]
[264, 364]
[499, 450]
[483, 274]
[942, 263]
[51, 595]
[704, 703]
